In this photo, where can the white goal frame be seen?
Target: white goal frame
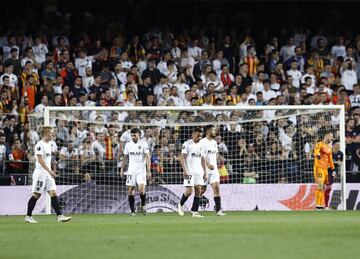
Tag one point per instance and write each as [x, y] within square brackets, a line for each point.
[340, 108]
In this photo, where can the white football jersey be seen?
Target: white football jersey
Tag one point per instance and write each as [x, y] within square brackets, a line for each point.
[137, 154]
[44, 149]
[210, 150]
[194, 154]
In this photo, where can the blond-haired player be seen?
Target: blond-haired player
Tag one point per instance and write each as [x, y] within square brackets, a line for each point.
[43, 177]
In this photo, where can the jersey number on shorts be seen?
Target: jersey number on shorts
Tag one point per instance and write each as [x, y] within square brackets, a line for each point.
[128, 178]
[39, 185]
[189, 179]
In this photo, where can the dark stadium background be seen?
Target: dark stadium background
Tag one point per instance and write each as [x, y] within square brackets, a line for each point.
[257, 15]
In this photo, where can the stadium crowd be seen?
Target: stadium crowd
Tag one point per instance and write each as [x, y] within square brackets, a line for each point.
[177, 67]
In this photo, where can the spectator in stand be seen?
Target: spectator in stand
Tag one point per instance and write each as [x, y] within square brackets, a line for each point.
[17, 158]
[245, 78]
[295, 74]
[14, 60]
[299, 58]
[40, 50]
[68, 159]
[226, 77]
[4, 153]
[84, 61]
[287, 50]
[49, 71]
[348, 75]
[338, 50]
[152, 72]
[147, 88]
[29, 56]
[200, 66]
[267, 92]
[251, 60]
[135, 50]
[13, 79]
[11, 44]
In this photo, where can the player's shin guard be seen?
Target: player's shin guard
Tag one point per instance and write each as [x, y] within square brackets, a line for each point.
[183, 199]
[55, 204]
[31, 206]
[195, 206]
[327, 196]
[143, 198]
[319, 198]
[132, 203]
[217, 203]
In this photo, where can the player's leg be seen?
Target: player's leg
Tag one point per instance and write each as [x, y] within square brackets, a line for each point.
[203, 189]
[141, 182]
[31, 205]
[184, 198]
[319, 175]
[51, 189]
[37, 188]
[328, 185]
[131, 200]
[56, 206]
[214, 180]
[189, 184]
[217, 199]
[328, 188]
[131, 183]
[196, 202]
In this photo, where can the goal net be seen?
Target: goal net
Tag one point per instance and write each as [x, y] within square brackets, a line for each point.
[265, 155]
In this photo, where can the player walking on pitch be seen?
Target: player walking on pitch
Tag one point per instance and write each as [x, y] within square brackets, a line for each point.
[193, 164]
[323, 161]
[43, 177]
[137, 153]
[210, 149]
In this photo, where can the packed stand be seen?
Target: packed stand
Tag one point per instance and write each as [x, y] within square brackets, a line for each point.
[178, 68]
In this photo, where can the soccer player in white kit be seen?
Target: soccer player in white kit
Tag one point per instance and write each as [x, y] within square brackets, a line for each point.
[193, 164]
[137, 152]
[210, 149]
[43, 177]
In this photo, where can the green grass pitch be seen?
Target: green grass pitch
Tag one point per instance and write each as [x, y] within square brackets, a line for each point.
[317, 234]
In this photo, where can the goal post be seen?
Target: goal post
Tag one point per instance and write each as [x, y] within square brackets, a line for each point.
[269, 152]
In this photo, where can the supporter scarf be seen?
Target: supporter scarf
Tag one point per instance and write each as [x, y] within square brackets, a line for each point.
[109, 155]
[225, 79]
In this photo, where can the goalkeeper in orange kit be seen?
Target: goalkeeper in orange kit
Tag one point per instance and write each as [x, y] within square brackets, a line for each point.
[323, 161]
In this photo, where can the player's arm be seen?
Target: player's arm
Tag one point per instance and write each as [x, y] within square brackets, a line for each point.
[208, 165]
[148, 164]
[124, 164]
[204, 164]
[43, 165]
[317, 149]
[331, 161]
[206, 159]
[183, 158]
[124, 161]
[183, 164]
[147, 160]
